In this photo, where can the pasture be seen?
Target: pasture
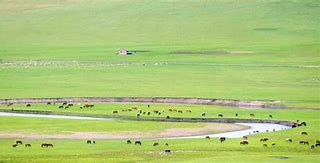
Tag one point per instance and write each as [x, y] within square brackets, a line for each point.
[221, 49]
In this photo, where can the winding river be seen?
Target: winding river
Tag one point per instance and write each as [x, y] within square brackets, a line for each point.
[253, 127]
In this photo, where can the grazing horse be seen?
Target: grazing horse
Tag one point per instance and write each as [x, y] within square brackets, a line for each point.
[27, 145]
[207, 137]
[46, 145]
[28, 105]
[88, 141]
[128, 141]
[155, 144]
[251, 115]
[203, 114]
[19, 142]
[14, 145]
[264, 139]
[220, 115]
[244, 142]
[137, 143]
[167, 151]
[222, 139]
[303, 124]
[304, 133]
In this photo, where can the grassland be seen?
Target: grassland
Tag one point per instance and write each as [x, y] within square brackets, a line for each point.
[184, 150]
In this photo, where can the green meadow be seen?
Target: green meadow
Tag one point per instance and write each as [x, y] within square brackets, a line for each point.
[223, 49]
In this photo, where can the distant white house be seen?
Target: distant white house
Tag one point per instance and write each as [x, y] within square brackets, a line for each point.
[123, 51]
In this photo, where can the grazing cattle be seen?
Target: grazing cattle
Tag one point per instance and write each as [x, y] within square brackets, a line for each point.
[159, 113]
[156, 111]
[149, 113]
[273, 130]
[128, 141]
[88, 141]
[180, 111]
[265, 145]
[66, 107]
[10, 104]
[304, 133]
[170, 110]
[188, 111]
[167, 117]
[244, 142]
[175, 110]
[140, 111]
[166, 144]
[124, 110]
[137, 143]
[270, 116]
[167, 151]
[317, 144]
[155, 144]
[207, 137]
[115, 112]
[94, 142]
[304, 142]
[60, 107]
[138, 115]
[28, 105]
[252, 115]
[289, 140]
[28, 145]
[129, 109]
[70, 105]
[64, 103]
[203, 114]
[236, 114]
[134, 108]
[19, 142]
[220, 115]
[264, 139]
[244, 137]
[14, 145]
[148, 106]
[48, 103]
[312, 146]
[222, 139]
[273, 144]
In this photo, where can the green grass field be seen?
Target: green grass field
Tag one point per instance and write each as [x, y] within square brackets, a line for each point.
[232, 49]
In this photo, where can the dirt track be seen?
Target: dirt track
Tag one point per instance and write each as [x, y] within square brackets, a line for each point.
[170, 100]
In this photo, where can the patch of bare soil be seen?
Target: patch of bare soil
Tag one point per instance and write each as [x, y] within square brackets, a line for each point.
[208, 128]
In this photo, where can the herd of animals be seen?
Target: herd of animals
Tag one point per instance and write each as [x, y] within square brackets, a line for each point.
[158, 112]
